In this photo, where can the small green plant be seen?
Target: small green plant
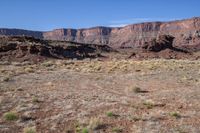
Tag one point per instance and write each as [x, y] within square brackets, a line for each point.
[116, 130]
[110, 114]
[149, 105]
[10, 116]
[29, 130]
[77, 127]
[35, 100]
[85, 130]
[175, 114]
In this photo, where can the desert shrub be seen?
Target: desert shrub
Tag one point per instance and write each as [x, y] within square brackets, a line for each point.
[85, 130]
[175, 114]
[29, 70]
[97, 68]
[136, 89]
[48, 63]
[149, 105]
[117, 130]
[29, 130]
[35, 100]
[95, 123]
[110, 114]
[10, 116]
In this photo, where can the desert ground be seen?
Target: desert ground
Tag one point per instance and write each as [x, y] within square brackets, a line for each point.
[95, 96]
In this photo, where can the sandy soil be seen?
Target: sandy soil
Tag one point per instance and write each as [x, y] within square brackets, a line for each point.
[125, 96]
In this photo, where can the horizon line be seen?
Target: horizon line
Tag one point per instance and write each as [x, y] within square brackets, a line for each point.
[92, 27]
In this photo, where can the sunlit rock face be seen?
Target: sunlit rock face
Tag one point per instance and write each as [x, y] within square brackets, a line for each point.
[185, 32]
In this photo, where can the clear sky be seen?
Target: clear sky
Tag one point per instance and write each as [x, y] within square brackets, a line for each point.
[50, 14]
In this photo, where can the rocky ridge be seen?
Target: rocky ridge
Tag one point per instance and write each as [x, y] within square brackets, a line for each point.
[186, 33]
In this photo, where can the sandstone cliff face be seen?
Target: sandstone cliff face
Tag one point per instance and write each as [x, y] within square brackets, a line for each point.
[185, 33]
[98, 35]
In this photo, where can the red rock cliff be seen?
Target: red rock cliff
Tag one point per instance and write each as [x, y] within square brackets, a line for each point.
[186, 32]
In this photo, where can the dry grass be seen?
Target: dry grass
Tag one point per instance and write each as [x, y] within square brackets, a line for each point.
[29, 70]
[117, 130]
[125, 65]
[29, 130]
[95, 123]
[149, 105]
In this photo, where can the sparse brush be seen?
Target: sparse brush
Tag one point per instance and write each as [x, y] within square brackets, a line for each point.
[175, 114]
[110, 114]
[29, 130]
[77, 127]
[85, 130]
[35, 100]
[136, 118]
[136, 89]
[29, 70]
[47, 64]
[10, 116]
[95, 123]
[97, 68]
[149, 105]
[117, 130]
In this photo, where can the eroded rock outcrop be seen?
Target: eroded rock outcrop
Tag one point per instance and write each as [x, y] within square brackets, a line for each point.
[162, 47]
[29, 48]
[161, 43]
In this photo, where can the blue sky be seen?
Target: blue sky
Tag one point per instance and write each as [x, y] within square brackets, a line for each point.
[51, 14]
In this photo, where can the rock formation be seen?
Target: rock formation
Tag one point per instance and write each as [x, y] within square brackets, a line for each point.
[29, 48]
[161, 43]
[186, 33]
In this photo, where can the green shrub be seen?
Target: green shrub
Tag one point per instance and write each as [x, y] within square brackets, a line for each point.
[85, 130]
[175, 114]
[35, 100]
[10, 116]
[116, 130]
[149, 105]
[110, 114]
